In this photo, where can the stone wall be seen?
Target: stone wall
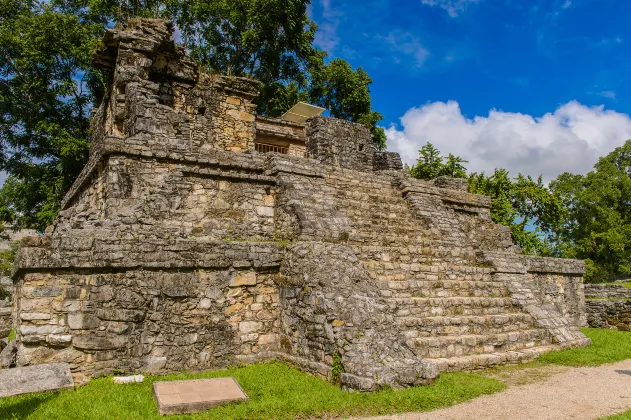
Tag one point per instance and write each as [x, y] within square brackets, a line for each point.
[608, 306]
[180, 246]
[8, 242]
[340, 143]
[611, 314]
[607, 291]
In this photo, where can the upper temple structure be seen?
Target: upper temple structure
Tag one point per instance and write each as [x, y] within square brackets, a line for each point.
[201, 235]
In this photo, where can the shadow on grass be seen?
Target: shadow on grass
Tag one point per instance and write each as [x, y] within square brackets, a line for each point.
[22, 407]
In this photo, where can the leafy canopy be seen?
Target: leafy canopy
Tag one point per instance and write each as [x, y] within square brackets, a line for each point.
[598, 223]
[45, 100]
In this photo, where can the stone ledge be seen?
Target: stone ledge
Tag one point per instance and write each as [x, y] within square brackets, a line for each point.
[554, 265]
[141, 147]
[71, 251]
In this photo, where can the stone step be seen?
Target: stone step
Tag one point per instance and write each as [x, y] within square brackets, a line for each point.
[466, 345]
[460, 305]
[467, 324]
[487, 360]
[425, 252]
[441, 288]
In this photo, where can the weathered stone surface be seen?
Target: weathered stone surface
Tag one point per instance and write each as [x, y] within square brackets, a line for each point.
[38, 378]
[7, 355]
[608, 306]
[195, 395]
[182, 246]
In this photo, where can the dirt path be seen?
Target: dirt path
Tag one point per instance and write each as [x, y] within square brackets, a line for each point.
[579, 393]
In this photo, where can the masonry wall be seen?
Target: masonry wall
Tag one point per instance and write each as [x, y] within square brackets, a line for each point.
[608, 306]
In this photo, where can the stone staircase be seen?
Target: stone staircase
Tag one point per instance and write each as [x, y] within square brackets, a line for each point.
[445, 307]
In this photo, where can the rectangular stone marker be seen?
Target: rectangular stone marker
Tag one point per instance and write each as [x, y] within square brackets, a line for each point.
[195, 395]
[36, 378]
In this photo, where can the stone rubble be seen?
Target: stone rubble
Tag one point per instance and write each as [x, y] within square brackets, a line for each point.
[180, 247]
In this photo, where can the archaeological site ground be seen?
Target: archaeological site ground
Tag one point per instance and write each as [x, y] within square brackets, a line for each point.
[200, 235]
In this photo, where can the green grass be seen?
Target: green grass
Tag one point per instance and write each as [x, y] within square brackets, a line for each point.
[275, 390]
[279, 391]
[608, 346]
[626, 284]
[622, 416]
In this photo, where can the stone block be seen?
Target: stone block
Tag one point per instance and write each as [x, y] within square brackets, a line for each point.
[38, 378]
[196, 395]
[94, 342]
[250, 326]
[243, 279]
[82, 321]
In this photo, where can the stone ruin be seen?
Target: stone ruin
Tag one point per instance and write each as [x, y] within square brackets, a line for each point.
[201, 235]
[9, 239]
[608, 306]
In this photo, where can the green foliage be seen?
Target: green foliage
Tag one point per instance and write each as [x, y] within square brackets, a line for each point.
[431, 164]
[11, 336]
[608, 346]
[337, 368]
[527, 206]
[6, 259]
[44, 107]
[597, 227]
[4, 293]
[276, 391]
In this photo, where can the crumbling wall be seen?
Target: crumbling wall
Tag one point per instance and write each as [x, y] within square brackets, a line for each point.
[607, 291]
[340, 143]
[613, 314]
[9, 240]
[608, 306]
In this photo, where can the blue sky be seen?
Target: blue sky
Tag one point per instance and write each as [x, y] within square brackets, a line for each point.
[540, 77]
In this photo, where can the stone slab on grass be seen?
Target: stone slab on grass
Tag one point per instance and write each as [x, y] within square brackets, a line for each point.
[36, 378]
[195, 395]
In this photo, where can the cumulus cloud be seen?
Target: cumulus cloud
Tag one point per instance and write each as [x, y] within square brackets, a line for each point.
[571, 138]
[453, 7]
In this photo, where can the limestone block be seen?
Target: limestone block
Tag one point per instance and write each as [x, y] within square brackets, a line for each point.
[243, 279]
[93, 342]
[250, 326]
[38, 378]
[82, 321]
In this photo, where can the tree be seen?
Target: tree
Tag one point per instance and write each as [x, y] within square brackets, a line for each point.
[44, 107]
[598, 225]
[47, 87]
[429, 164]
[527, 206]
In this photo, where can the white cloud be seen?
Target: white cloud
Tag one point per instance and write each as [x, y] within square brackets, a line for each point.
[326, 37]
[407, 44]
[567, 4]
[571, 138]
[453, 7]
[609, 94]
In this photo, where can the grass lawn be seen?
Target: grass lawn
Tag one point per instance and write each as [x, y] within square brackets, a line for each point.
[608, 346]
[278, 391]
[626, 284]
[275, 390]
